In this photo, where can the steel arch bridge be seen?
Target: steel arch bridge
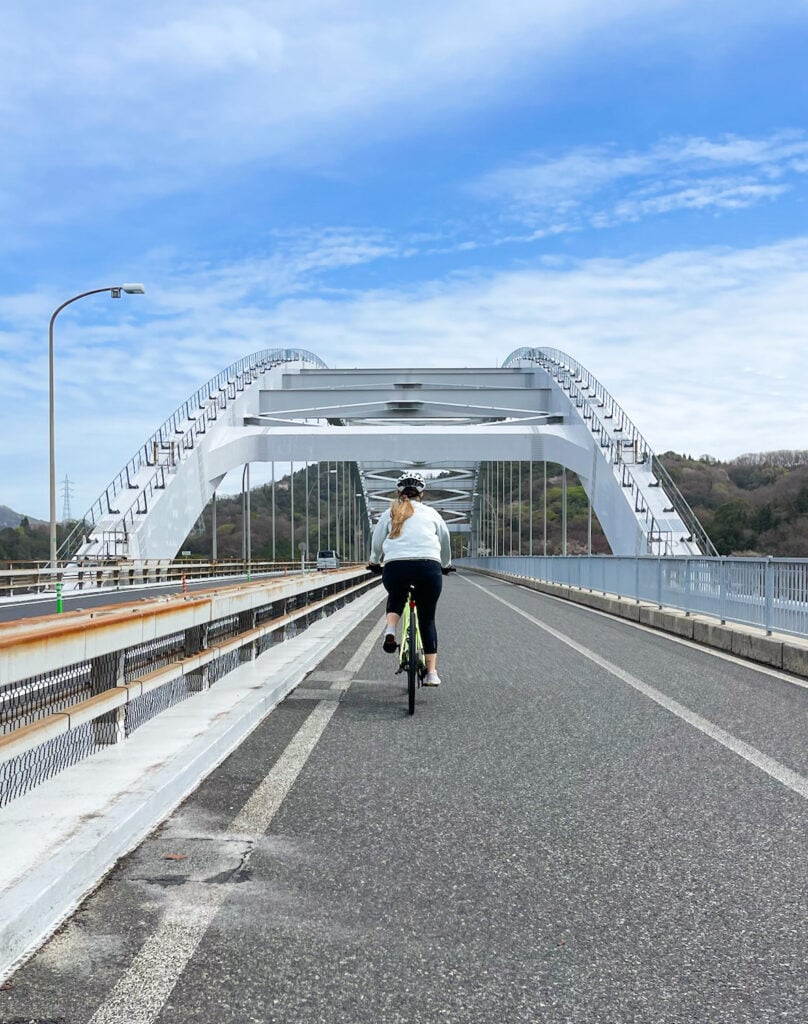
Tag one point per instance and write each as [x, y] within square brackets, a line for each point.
[285, 405]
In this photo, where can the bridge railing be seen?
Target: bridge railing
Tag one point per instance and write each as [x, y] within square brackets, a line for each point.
[169, 445]
[630, 447]
[72, 684]
[19, 579]
[771, 593]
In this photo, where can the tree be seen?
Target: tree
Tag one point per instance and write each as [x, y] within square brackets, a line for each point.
[728, 528]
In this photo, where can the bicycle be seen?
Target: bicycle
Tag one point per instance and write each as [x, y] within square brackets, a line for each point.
[411, 658]
[411, 650]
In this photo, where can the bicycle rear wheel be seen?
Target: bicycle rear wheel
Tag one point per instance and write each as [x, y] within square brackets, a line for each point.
[412, 662]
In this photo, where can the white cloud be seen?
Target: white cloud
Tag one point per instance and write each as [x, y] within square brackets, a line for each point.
[148, 98]
[704, 349]
[778, 150]
[726, 195]
[598, 186]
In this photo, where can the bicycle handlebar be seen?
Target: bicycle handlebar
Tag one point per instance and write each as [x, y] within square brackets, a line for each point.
[375, 567]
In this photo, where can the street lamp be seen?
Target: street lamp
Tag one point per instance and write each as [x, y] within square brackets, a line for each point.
[115, 291]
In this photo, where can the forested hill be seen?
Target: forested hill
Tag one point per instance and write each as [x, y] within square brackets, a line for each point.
[755, 504]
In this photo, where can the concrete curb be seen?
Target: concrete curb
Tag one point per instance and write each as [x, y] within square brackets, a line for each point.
[102, 807]
[776, 651]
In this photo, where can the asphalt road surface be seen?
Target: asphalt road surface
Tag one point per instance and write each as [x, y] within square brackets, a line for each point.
[588, 823]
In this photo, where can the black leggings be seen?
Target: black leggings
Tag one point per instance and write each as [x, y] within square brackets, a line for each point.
[426, 577]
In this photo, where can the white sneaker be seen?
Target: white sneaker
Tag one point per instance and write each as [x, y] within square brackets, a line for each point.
[431, 679]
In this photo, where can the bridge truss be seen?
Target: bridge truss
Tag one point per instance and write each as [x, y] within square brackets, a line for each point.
[286, 405]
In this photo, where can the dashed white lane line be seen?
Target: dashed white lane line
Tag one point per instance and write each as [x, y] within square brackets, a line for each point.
[142, 991]
[786, 776]
[256, 815]
[361, 655]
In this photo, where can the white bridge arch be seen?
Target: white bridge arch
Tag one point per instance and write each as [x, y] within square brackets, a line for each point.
[285, 405]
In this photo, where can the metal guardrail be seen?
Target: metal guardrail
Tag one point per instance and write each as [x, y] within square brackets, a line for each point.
[169, 444]
[98, 679]
[21, 578]
[771, 593]
[597, 406]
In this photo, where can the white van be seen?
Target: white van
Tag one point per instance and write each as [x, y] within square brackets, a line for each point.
[327, 560]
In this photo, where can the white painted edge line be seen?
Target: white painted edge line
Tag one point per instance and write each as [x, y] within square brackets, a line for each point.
[786, 776]
[256, 815]
[693, 645]
[359, 658]
[141, 992]
[33, 905]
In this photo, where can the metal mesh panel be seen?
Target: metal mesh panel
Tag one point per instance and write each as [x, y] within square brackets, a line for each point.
[142, 709]
[27, 701]
[270, 640]
[20, 774]
[195, 640]
[104, 672]
[221, 666]
[223, 629]
[154, 654]
[265, 614]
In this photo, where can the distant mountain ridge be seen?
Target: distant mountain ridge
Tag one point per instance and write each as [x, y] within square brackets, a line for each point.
[8, 517]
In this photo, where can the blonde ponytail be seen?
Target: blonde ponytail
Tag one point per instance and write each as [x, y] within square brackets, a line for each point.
[400, 512]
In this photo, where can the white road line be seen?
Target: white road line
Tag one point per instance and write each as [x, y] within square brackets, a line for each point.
[359, 658]
[786, 776]
[255, 816]
[140, 994]
[693, 645]
[142, 991]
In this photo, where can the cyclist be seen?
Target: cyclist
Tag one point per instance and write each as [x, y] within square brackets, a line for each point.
[413, 542]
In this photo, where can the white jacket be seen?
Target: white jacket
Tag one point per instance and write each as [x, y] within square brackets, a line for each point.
[423, 535]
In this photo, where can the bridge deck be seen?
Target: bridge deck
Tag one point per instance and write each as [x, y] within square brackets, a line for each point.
[588, 822]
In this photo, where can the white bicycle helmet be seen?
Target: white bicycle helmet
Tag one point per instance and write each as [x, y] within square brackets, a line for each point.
[410, 483]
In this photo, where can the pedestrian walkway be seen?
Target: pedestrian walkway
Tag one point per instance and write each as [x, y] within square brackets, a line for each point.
[587, 822]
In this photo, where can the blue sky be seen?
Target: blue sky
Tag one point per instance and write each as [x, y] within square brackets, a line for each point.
[415, 185]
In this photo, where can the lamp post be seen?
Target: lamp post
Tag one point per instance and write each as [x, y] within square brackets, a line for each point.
[115, 291]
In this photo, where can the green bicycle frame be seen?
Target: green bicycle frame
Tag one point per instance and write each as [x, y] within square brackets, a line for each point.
[411, 651]
[404, 648]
